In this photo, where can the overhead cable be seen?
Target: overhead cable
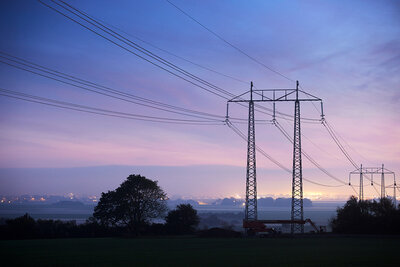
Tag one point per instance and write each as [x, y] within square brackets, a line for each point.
[99, 111]
[280, 165]
[316, 164]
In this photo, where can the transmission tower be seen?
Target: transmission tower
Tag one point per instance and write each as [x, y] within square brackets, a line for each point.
[364, 171]
[274, 95]
[297, 176]
[251, 181]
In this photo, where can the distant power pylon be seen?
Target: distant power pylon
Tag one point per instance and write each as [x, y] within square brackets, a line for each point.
[365, 171]
[275, 95]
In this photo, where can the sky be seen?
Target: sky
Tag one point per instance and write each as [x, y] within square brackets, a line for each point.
[345, 52]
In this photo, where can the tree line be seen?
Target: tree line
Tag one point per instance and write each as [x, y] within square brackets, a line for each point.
[130, 210]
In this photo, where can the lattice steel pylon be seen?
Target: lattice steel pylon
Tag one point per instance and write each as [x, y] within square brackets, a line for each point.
[297, 175]
[365, 171]
[251, 177]
[274, 95]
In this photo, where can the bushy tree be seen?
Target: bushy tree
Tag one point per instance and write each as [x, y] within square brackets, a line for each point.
[21, 227]
[367, 217]
[182, 220]
[133, 204]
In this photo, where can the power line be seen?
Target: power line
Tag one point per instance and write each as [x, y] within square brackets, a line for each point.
[341, 147]
[221, 92]
[156, 57]
[340, 137]
[286, 134]
[134, 45]
[228, 43]
[280, 165]
[98, 111]
[313, 143]
[83, 84]
[187, 78]
[171, 53]
[334, 134]
[316, 164]
[143, 50]
[93, 87]
[320, 148]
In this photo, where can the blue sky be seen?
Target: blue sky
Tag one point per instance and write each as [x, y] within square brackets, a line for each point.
[345, 52]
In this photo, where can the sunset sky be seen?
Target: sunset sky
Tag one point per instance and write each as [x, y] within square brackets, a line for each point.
[345, 52]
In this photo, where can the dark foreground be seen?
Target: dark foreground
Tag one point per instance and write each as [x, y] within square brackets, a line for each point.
[310, 251]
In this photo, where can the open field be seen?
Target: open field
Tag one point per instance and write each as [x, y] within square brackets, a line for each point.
[310, 251]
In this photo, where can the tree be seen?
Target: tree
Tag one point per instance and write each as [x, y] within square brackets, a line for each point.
[133, 204]
[21, 227]
[353, 217]
[182, 220]
[367, 217]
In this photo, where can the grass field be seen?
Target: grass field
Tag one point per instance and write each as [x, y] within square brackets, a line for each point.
[315, 251]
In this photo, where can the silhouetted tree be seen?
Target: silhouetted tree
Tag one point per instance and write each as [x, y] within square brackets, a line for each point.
[21, 227]
[367, 217]
[133, 204]
[182, 220]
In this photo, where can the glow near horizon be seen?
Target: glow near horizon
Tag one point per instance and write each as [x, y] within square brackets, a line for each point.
[345, 53]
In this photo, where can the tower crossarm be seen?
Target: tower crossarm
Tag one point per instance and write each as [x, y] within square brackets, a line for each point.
[274, 95]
